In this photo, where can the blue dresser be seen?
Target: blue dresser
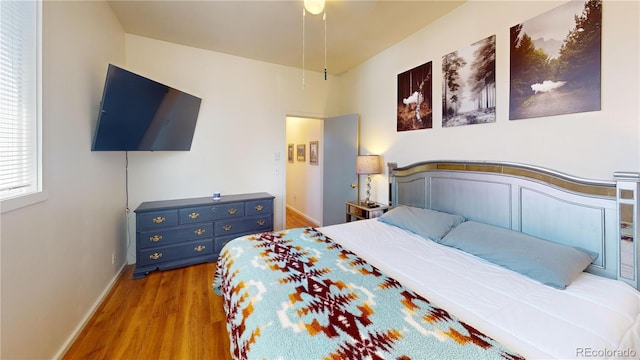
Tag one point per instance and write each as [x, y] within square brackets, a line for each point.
[176, 233]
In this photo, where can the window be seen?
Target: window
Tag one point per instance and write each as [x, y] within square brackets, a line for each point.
[20, 90]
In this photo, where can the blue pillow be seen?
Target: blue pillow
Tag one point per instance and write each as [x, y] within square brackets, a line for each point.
[550, 263]
[429, 224]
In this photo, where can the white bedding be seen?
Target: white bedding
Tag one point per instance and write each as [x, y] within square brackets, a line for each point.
[593, 318]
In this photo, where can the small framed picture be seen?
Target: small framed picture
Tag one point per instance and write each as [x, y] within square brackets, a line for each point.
[301, 152]
[290, 153]
[313, 153]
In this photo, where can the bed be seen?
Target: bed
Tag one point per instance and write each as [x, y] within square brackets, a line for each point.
[475, 260]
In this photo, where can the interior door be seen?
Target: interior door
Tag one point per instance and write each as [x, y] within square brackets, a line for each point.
[340, 136]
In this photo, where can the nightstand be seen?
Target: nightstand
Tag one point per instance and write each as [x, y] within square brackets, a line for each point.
[360, 212]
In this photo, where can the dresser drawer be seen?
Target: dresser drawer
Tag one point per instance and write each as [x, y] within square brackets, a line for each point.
[156, 219]
[259, 207]
[246, 226]
[221, 241]
[172, 235]
[164, 254]
[212, 212]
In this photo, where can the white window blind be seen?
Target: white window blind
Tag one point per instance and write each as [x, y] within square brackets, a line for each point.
[19, 98]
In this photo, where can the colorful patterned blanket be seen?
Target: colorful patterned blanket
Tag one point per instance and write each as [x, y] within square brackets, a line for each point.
[296, 294]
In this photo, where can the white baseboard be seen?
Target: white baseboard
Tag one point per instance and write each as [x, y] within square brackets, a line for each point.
[85, 320]
[303, 215]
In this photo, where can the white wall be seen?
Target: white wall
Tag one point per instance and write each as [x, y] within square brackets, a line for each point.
[304, 181]
[56, 254]
[240, 129]
[591, 144]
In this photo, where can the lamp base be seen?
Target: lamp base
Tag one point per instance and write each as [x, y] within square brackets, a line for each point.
[367, 202]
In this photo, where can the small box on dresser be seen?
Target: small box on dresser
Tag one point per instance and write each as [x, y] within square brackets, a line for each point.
[176, 233]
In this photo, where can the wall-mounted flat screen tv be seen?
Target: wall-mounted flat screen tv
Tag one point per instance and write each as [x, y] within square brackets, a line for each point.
[139, 114]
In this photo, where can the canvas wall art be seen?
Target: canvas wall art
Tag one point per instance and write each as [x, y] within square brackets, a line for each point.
[313, 152]
[290, 153]
[555, 62]
[415, 99]
[469, 84]
[301, 151]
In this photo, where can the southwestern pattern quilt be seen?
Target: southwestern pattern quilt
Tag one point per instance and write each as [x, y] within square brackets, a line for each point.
[296, 294]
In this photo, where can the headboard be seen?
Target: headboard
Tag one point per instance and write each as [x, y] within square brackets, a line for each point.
[600, 216]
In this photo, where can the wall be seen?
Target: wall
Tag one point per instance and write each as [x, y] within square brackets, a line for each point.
[304, 181]
[590, 144]
[56, 254]
[241, 125]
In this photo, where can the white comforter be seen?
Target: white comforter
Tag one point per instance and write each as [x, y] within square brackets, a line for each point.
[593, 318]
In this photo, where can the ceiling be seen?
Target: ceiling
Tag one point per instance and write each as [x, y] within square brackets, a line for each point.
[271, 30]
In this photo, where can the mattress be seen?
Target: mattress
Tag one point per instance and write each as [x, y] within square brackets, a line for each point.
[594, 317]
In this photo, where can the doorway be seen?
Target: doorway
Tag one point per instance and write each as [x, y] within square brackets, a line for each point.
[303, 181]
[317, 190]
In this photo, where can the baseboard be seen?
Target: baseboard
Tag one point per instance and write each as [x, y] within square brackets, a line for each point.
[87, 317]
[316, 222]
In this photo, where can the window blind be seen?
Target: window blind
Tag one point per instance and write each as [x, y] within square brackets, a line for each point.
[19, 25]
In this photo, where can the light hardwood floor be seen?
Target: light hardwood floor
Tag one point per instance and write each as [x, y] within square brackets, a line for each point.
[295, 220]
[167, 315]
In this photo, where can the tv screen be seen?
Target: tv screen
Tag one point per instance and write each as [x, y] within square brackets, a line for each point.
[139, 114]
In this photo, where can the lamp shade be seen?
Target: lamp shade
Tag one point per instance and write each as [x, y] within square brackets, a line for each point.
[315, 7]
[368, 164]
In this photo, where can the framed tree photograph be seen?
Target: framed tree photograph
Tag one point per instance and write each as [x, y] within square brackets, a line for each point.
[469, 84]
[555, 62]
[301, 152]
[313, 153]
[290, 153]
[415, 110]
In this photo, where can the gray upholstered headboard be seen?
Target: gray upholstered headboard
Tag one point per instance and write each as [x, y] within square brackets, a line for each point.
[600, 216]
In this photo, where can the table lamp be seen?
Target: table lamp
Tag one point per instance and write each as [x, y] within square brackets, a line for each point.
[367, 165]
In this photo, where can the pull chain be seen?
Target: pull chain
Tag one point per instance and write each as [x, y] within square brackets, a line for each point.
[304, 15]
[324, 18]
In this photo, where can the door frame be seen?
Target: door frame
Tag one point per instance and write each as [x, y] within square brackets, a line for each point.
[322, 144]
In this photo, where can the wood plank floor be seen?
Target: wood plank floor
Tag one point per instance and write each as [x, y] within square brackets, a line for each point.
[166, 315]
[295, 220]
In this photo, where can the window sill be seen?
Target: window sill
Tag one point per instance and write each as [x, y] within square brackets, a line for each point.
[22, 201]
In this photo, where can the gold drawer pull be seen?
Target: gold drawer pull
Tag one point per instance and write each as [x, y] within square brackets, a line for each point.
[155, 256]
[261, 222]
[159, 220]
[199, 248]
[200, 231]
[194, 215]
[227, 227]
[232, 211]
[155, 238]
[259, 207]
